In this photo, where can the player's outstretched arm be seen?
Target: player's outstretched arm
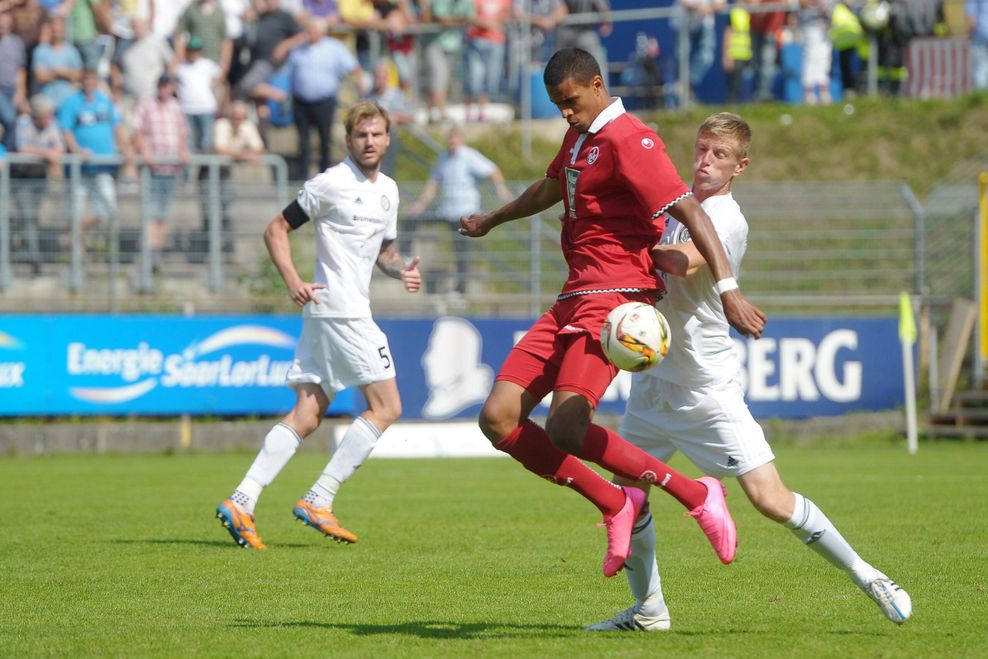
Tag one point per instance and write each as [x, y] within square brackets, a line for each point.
[539, 196]
[280, 250]
[393, 265]
[743, 316]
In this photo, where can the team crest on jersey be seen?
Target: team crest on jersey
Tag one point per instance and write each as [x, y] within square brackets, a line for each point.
[682, 235]
[593, 155]
[385, 203]
[648, 142]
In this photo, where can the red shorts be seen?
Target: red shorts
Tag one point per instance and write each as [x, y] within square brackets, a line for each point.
[561, 351]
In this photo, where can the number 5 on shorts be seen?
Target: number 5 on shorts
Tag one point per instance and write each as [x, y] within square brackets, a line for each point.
[383, 351]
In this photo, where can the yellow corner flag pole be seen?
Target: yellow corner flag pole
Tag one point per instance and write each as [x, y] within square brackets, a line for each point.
[907, 337]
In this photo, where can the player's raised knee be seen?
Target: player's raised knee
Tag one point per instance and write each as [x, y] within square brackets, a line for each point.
[496, 420]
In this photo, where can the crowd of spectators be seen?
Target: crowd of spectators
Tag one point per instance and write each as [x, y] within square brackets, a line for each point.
[151, 82]
[264, 52]
[847, 33]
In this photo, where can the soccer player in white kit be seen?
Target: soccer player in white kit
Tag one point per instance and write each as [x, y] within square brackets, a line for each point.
[354, 210]
[693, 401]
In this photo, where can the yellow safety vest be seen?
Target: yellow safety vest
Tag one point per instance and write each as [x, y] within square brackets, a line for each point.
[739, 45]
[845, 28]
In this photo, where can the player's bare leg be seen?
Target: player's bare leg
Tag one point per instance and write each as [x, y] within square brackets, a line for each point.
[316, 508]
[772, 498]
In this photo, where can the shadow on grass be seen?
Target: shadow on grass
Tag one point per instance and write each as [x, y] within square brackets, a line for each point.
[201, 543]
[432, 629]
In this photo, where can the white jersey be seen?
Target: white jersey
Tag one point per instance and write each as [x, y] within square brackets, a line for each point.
[693, 401]
[701, 352]
[352, 216]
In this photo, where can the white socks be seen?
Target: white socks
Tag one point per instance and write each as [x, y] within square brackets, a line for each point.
[357, 444]
[642, 570]
[279, 446]
[813, 529]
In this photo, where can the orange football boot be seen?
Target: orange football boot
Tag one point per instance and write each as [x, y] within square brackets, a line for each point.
[240, 524]
[323, 520]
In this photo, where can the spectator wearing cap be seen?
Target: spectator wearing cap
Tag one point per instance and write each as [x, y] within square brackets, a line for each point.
[91, 125]
[56, 66]
[205, 20]
[317, 67]
[37, 135]
[135, 75]
[13, 78]
[198, 79]
[161, 138]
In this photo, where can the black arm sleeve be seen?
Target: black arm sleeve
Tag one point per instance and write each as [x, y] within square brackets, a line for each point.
[294, 214]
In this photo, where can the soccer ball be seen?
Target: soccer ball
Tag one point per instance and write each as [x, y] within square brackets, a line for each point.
[635, 336]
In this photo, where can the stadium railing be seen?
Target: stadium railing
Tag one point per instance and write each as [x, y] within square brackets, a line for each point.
[816, 248]
[61, 238]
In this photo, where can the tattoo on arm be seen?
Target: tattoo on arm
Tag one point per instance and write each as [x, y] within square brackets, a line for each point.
[389, 260]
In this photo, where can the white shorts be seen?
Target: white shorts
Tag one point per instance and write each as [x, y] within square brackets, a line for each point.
[337, 353]
[712, 427]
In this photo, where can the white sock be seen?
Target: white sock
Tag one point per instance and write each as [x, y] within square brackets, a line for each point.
[357, 444]
[642, 569]
[279, 446]
[813, 529]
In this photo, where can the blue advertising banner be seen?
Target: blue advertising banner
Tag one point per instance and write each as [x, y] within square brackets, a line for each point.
[119, 365]
[233, 365]
[799, 368]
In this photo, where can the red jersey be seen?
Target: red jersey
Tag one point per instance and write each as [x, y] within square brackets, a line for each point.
[617, 183]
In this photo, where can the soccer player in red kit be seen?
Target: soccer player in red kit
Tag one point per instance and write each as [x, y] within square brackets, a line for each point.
[616, 181]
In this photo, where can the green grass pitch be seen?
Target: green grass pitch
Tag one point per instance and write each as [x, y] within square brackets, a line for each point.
[121, 556]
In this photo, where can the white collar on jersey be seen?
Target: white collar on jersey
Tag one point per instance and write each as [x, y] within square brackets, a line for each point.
[607, 115]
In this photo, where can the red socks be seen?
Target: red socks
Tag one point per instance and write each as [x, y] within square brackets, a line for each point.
[530, 445]
[607, 449]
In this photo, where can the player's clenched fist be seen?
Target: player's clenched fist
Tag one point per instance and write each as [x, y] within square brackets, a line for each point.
[476, 225]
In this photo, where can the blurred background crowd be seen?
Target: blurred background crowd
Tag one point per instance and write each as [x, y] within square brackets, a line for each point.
[285, 62]
[154, 85]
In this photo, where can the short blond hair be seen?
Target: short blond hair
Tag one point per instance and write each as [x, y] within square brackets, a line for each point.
[729, 127]
[365, 110]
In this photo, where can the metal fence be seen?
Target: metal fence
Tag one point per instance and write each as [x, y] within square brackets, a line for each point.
[813, 248]
[44, 217]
